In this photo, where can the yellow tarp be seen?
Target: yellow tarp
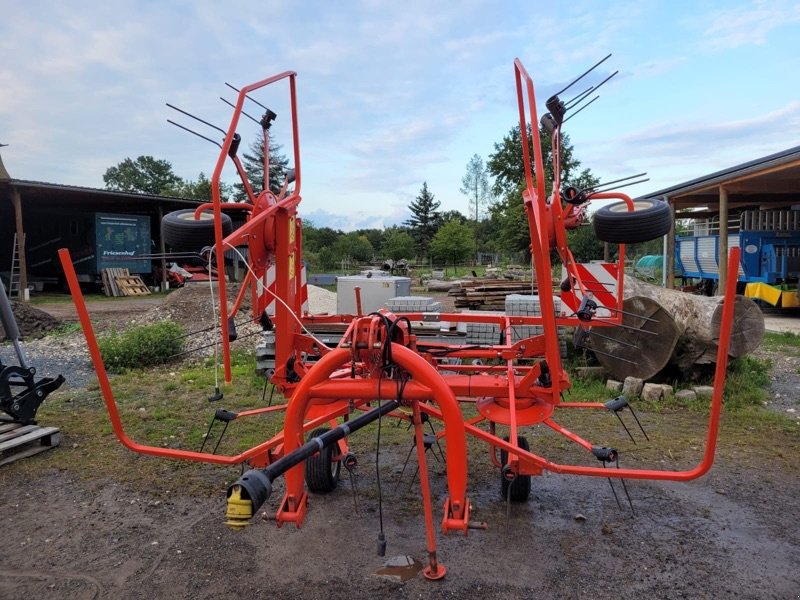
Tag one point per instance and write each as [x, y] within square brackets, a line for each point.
[773, 295]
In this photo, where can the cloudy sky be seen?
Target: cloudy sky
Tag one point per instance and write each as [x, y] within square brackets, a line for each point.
[392, 94]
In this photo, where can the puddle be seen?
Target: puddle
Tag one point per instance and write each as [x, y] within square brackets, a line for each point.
[400, 568]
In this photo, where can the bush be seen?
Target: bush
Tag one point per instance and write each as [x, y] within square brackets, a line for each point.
[142, 346]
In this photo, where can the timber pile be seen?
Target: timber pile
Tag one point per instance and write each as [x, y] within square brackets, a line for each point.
[119, 282]
[487, 294]
[695, 338]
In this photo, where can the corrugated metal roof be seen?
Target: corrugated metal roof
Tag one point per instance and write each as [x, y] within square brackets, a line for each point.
[43, 185]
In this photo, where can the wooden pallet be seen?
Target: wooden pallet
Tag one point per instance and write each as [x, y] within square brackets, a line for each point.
[109, 277]
[20, 441]
[132, 285]
[119, 282]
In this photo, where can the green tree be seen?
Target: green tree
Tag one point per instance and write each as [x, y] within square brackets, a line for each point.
[315, 239]
[475, 186]
[449, 215]
[353, 246]
[453, 242]
[424, 219]
[584, 245]
[507, 166]
[145, 175]
[397, 244]
[200, 189]
[253, 162]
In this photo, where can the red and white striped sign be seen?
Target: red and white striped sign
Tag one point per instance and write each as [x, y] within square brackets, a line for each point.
[600, 280]
[269, 283]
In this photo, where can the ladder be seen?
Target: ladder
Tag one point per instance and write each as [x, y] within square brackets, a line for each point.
[13, 278]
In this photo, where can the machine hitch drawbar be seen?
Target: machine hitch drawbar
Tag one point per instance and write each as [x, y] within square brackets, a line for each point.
[253, 488]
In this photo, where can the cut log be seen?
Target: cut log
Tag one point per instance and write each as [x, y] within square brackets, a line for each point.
[642, 346]
[699, 318]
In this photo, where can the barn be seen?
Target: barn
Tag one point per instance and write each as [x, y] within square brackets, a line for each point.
[101, 228]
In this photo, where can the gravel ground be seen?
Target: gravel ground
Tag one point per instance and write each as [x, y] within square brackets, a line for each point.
[191, 306]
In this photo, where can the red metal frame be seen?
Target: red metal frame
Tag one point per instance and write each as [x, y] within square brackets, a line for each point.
[512, 392]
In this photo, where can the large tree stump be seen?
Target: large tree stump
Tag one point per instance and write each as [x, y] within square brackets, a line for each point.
[644, 344]
[699, 318]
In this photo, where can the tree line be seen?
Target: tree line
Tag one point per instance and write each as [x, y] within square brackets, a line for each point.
[494, 221]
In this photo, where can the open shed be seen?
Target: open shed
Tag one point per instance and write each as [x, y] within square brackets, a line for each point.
[748, 191]
[49, 215]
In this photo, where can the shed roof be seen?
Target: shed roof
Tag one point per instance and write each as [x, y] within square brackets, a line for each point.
[772, 180]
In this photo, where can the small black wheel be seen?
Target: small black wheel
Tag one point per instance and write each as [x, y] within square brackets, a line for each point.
[322, 472]
[649, 219]
[521, 485]
[181, 231]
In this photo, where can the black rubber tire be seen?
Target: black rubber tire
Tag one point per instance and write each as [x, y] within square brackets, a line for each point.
[180, 231]
[322, 472]
[649, 219]
[521, 486]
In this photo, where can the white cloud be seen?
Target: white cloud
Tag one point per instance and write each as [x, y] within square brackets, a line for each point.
[750, 23]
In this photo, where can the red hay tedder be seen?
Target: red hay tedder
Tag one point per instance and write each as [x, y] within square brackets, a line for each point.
[380, 365]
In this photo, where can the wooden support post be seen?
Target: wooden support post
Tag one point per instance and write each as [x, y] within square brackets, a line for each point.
[162, 249]
[669, 263]
[722, 247]
[23, 269]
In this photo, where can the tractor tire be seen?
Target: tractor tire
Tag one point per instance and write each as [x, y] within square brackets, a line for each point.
[521, 486]
[649, 219]
[322, 472]
[180, 231]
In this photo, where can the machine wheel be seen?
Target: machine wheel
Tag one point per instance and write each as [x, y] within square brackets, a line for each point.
[521, 486]
[180, 230]
[322, 472]
[649, 219]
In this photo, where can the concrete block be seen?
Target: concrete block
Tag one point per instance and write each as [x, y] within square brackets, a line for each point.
[704, 392]
[632, 387]
[668, 391]
[652, 392]
[614, 386]
[686, 395]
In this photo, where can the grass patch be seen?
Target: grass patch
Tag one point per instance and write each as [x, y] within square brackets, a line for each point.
[782, 342]
[64, 330]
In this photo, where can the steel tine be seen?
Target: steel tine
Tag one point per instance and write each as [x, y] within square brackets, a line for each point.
[613, 491]
[405, 464]
[221, 435]
[611, 355]
[625, 488]
[625, 427]
[626, 327]
[605, 337]
[625, 312]
[244, 113]
[638, 423]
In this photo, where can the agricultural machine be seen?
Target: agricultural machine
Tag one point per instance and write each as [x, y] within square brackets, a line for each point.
[381, 368]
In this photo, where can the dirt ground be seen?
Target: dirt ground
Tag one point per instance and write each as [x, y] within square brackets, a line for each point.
[730, 534]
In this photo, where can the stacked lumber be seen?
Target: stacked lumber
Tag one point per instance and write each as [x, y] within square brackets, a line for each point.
[487, 294]
[119, 282]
